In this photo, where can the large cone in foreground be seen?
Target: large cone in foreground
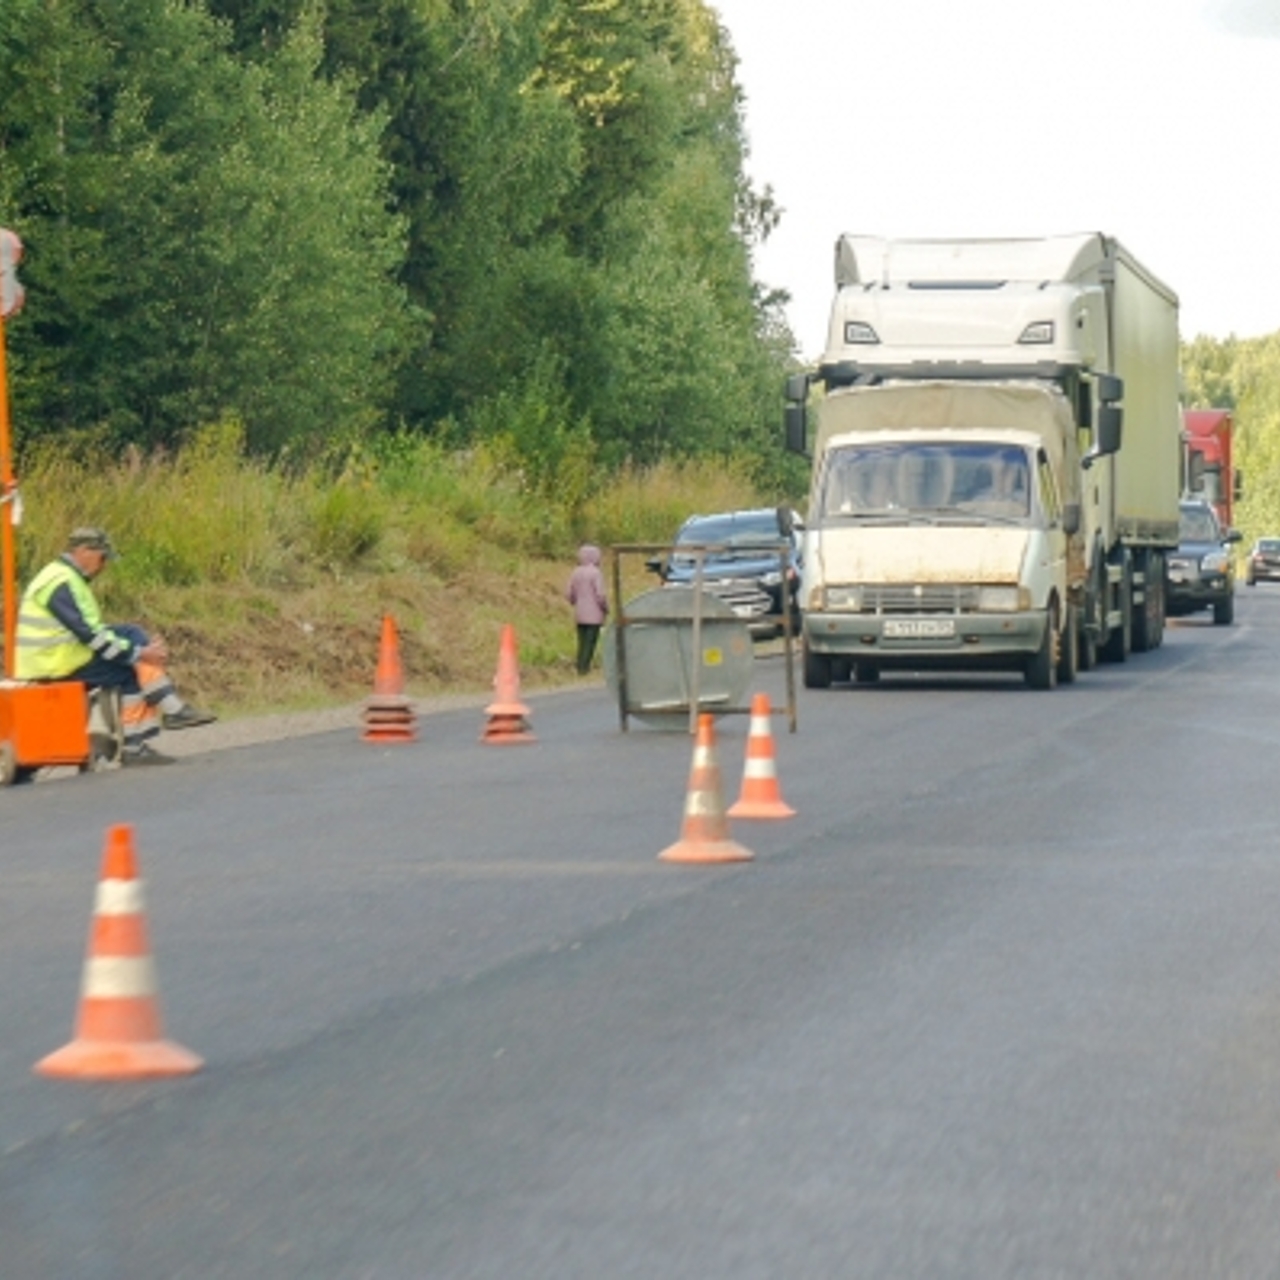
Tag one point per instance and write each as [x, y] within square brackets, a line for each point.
[118, 1034]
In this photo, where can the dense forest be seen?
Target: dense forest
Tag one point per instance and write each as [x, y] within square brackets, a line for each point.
[464, 219]
[1243, 374]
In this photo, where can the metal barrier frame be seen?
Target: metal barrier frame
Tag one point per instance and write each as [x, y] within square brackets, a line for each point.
[699, 552]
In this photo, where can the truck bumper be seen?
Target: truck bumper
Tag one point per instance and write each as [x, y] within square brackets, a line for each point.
[941, 640]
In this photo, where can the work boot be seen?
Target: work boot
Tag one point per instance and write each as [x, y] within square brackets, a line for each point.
[145, 754]
[187, 718]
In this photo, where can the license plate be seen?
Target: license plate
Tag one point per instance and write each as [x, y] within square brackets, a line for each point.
[919, 628]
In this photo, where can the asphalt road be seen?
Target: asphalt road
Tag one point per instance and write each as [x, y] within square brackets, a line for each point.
[1002, 1000]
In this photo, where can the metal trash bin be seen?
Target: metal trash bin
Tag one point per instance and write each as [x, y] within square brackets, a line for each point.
[661, 679]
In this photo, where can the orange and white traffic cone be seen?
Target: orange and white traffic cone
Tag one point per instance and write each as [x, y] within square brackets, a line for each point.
[118, 1035]
[508, 721]
[704, 836]
[761, 796]
[388, 713]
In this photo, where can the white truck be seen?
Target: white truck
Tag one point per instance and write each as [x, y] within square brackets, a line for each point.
[975, 500]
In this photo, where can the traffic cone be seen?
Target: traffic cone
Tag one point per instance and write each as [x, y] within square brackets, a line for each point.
[761, 797]
[507, 715]
[704, 836]
[118, 1034]
[388, 714]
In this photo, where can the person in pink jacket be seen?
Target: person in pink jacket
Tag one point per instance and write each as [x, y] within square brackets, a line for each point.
[590, 603]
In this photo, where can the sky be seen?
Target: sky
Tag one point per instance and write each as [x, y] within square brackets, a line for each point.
[1154, 121]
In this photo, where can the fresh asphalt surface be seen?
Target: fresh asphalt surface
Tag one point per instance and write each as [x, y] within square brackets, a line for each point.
[1003, 999]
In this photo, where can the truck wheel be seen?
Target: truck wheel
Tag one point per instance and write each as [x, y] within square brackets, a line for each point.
[817, 670]
[865, 673]
[1069, 648]
[1224, 612]
[1120, 642]
[1148, 620]
[1042, 666]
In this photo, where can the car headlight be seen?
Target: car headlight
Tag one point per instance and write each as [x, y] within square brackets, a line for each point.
[843, 599]
[1214, 562]
[1003, 599]
[773, 579]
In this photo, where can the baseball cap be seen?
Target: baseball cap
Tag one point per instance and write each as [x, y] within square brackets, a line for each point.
[95, 539]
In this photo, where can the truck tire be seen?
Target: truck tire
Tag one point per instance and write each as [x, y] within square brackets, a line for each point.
[817, 670]
[1042, 667]
[1069, 648]
[1148, 621]
[1224, 612]
[1120, 642]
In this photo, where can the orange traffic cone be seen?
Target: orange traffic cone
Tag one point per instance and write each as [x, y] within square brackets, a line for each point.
[761, 796]
[705, 834]
[118, 1034]
[388, 714]
[507, 721]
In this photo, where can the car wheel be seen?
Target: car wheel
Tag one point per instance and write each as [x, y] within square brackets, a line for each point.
[1224, 612]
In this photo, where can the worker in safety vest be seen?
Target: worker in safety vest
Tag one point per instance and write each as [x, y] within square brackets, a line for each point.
[61, 636]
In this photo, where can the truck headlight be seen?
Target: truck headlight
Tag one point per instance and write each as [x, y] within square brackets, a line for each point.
[1214, 562]
[773, 579]
[1003, 599]
[843, 599]
[859, 333]
[1037, 332]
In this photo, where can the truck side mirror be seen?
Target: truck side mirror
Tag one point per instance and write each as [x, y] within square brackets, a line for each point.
[1071, 518]
[1110, 388]
[785, 522]
[797, 387]
[1237, 491]
[1110, 422]
[797, 427]
[1233, 535]
[1195, 473]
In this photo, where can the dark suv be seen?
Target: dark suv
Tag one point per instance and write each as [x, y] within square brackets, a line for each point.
[752, 561]
[1201, 574]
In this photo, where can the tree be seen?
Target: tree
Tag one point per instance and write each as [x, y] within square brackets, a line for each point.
[205, 236]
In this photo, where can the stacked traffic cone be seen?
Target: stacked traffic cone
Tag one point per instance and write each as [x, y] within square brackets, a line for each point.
[118, 1034]
[761, 796]
[388, 713]
[705, 834]
[507, 716]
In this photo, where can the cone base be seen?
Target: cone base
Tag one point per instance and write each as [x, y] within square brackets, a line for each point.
[503, 730]
[108, 1060]
[385, 735]
[761, 809]
[706, 851]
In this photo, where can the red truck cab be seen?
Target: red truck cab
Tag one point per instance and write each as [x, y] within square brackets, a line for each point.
[1210, 473]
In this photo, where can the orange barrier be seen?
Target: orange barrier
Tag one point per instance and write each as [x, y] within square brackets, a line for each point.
[704, 836]
[761, 796]
[388, 713]
[118, 1035]
[507, 715]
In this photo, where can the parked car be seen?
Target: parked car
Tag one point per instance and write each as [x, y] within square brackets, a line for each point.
[1201, 574]
[752, 563]
[1264, 562]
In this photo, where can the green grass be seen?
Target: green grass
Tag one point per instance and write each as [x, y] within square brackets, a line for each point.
[270, 580]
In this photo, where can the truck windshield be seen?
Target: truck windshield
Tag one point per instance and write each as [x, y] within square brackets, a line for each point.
[976, 482]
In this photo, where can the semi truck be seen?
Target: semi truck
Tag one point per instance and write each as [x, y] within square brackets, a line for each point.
[1210, 473]
[996, 458]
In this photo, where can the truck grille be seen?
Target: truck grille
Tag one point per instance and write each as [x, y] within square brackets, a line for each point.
[924, 597]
